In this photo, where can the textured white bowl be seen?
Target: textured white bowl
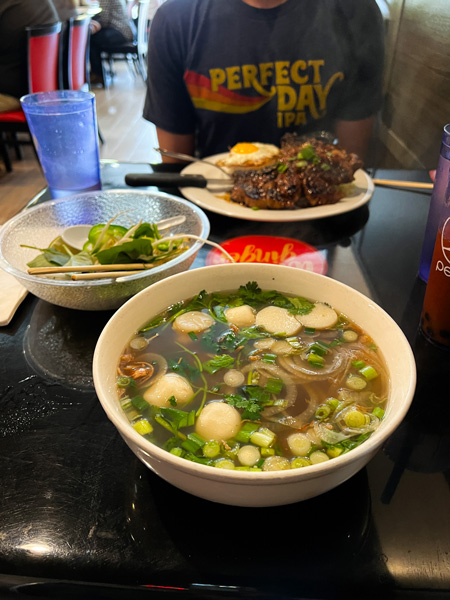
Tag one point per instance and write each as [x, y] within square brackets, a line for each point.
[39, 225]
[243, 488]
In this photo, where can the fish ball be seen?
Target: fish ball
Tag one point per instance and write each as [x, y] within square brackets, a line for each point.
[264, 344]
[321, 317]
[167, 386]
[218, 421]
[194, 320]
[277, 320]
[281, 347]
[299, 444]
[241, 316]
[234, 378]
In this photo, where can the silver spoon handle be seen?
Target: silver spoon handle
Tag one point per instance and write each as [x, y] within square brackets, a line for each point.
[189, 158]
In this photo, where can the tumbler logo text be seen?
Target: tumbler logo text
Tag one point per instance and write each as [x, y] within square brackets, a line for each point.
[445, 247]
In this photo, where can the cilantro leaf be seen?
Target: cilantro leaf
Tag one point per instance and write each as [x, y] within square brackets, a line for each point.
[220, 361]
[252, 401]
[182, 367]
[252, 410]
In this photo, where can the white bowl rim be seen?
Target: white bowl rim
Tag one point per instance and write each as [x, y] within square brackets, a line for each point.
[254, 477]
[10, 224]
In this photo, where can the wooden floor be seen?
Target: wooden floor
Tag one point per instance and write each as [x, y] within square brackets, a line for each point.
[128, 136]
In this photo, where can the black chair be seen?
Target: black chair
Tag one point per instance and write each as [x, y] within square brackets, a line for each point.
[134, 53]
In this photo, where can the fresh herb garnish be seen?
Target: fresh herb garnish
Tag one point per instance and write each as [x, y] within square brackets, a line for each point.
[222, 361]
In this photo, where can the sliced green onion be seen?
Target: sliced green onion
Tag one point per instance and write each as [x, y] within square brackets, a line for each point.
[319, 348]
[269, 358]
[334, 451]
[193, 443]
[274, 385]
[318, 457]
[322, 412]
[224, 463]
[125, 403]
[298, 462]
[315, 360]
[369, 373]
[211, 449]
[263, 437]
[142, 426]
[133, 414]
[232, 453]
[378, 412]
[193, 335]
[333, 403]
[177, 451]
[349, 335]
[309, 330]
[354, 419]
[248, 455]
[140, 403]
[307, 152]
[201, 460]
[178, 418]
[358, 364]
[245, 432]
[267, 452]
[123, 382]
[354, 382]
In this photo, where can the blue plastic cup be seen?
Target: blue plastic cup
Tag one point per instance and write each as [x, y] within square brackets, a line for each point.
[63, 125]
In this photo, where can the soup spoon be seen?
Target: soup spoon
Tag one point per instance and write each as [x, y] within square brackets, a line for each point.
[75, 236]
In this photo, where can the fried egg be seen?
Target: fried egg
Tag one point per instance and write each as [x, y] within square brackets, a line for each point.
[250, 155]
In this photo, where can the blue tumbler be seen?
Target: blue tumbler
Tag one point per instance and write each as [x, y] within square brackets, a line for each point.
[63, 125]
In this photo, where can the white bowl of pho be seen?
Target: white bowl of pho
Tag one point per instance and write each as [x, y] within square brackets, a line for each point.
[260, 385]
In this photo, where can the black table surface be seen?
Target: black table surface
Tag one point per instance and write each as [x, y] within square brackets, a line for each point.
[82, 517]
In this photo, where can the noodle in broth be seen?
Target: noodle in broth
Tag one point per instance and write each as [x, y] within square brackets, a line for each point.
[253, 380]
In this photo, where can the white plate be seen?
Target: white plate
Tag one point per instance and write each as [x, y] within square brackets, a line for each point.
[206, 198]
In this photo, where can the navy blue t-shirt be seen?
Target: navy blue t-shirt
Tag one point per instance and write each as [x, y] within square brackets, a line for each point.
[229, 72]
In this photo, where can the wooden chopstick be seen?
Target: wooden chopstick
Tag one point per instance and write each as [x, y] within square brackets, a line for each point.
[407, 184]
[88, 268]
[103, 275]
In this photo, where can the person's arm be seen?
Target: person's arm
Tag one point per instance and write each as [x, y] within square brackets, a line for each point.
[175, 142]
[354, 136]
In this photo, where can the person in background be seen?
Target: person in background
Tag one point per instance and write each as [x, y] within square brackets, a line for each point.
[111, 28]
[15, 16]
[222, 72]
[66, 9]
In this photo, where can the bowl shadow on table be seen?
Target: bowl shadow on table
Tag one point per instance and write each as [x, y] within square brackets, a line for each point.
[59, 345]
[308, 544]
[317, 232]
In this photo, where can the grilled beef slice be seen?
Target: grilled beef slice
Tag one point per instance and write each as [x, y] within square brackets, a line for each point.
[308, 174]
